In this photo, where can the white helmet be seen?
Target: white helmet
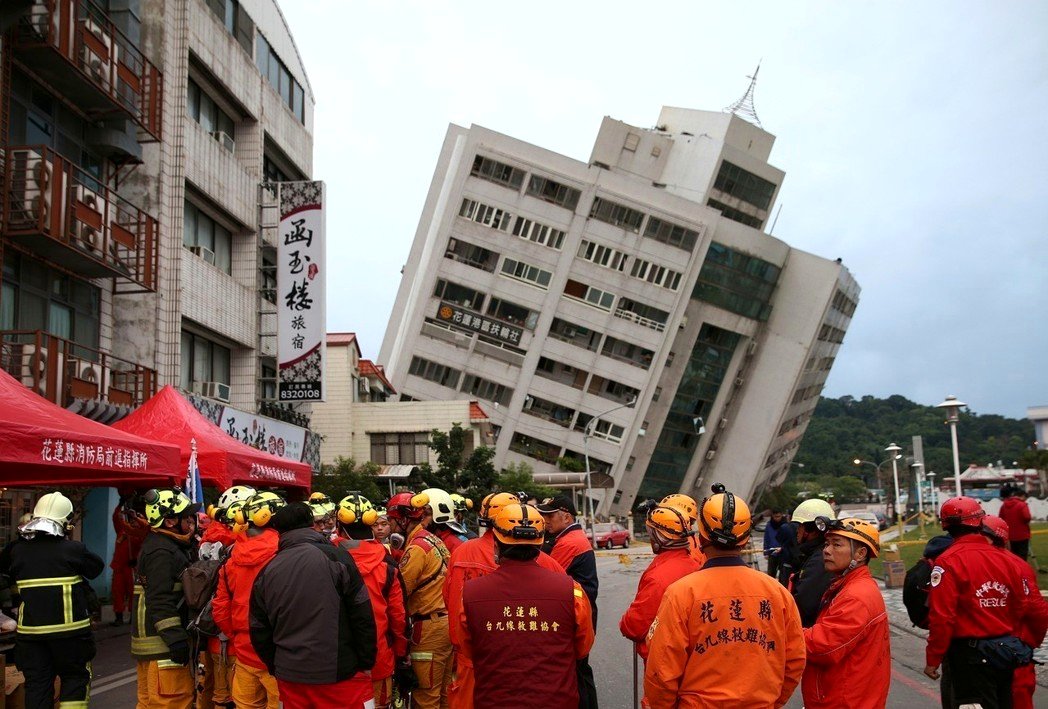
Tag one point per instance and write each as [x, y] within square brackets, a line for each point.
[441, 504]
[237, 493]
[54, 506]
[808, 510]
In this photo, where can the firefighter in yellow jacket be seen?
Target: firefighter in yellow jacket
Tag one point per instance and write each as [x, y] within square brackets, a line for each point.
[159, 641]
[423, 565]
[54, 624]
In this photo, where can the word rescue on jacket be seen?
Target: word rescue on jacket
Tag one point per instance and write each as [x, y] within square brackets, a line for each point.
[991, 594]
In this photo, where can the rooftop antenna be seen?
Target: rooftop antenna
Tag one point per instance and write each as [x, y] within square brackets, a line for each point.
[743, 108]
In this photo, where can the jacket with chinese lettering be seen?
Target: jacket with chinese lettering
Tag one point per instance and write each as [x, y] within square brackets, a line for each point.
[849, 653]
[232, 605]
[667, 567]
[423, 566]
[49, 573]
[727, 635]
[158, 611]
[523, 628]
[975, 593]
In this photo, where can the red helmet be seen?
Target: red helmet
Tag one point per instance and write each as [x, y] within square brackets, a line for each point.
[996, 528]
[964, 511]
[401, 506]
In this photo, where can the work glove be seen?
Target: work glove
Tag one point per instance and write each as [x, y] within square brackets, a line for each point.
[404, 676]
[179, 652]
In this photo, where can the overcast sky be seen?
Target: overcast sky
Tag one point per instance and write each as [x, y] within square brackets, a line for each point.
[913, 136]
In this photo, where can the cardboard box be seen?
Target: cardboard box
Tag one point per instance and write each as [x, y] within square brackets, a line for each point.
[891, 553]
[894, 574]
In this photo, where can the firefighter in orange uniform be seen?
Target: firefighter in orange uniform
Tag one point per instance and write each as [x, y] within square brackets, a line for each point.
[523, 623]
[687, 507]
[475, 558]
[728, 634]
[670, 535]
[976, 594]
[131, 529]
[1032, 630]
[423, 566]
[849, 653]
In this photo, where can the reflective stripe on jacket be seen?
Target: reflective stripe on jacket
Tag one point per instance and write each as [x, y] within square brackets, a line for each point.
[423, 566]
[158, 611]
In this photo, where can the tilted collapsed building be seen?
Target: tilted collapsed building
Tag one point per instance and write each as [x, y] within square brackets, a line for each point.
[630, 308]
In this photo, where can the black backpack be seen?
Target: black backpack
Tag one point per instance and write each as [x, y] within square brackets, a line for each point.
[915, 592]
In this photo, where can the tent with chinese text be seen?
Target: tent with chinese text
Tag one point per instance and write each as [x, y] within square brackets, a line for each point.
[223, 460]
[44, 444]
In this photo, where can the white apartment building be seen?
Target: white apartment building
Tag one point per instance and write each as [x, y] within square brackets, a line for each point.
[630, 307]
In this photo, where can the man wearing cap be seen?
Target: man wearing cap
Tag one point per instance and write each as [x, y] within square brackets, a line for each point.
[522, 622]
[727, 635]
[159, 640]
[849, 652]
[572, 549]
[53, 636]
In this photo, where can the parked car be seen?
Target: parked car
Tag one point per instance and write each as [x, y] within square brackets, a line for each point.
[871, 517]
[610, 535]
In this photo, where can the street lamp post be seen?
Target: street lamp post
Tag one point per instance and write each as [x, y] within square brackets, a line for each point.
[920, 495]
[893, 451]
[587, 431]
[876, 466]
[953, 415]
[934, 492]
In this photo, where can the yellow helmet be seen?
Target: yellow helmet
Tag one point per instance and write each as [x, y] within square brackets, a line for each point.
[357, 509]
[812, 509]
[518, 524]
[492, 504]
[321, 505]
[858, 529]
[259, 510]
[165, 503]
[725, 519]
[683, 504]
[461, 503]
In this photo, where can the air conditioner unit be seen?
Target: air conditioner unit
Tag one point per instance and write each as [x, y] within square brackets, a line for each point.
[364, 385]
[33, 203]
[224, 139]
[87, 236]
[683, 322]
[710, 454]
[204, 253]
[214, 390]
[723, 422]
[752, 348]
[90, 372]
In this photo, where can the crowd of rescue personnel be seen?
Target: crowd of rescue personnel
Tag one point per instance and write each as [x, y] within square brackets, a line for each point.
[344, 603]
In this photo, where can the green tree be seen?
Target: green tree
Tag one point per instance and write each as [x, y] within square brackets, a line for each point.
[520, 477]
[345, 476]
[472, 475]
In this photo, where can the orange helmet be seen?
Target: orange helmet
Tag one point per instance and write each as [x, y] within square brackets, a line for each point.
[725, 519]
[518, 524]
[669, 521]
[491, 505]
[996, 528]
[858, 529]
[683, 504]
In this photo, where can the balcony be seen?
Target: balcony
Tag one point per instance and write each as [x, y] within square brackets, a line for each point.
[59, 39]
[91, 382]
[70, 218]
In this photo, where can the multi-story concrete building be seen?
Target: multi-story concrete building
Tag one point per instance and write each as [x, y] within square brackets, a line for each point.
[138, 237]
[631, 307]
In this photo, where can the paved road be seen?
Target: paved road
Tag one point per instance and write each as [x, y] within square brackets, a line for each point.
[114, 685]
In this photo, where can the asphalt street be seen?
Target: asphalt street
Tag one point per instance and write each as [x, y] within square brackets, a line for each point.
[612, 656]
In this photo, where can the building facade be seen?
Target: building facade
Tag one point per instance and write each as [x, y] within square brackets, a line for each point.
[629, 310]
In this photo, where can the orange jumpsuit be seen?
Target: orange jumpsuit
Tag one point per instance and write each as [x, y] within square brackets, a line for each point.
[725, 635]
[473, 559]
[669, 565]
[423, 567]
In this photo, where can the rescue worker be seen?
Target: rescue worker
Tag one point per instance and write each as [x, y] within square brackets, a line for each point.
[253, 686]
[975, 594]
[475, 558]
[772, 547]
[849, 652]
[159, 641]
[53, 636]
[462, 504]
[423, 566]
[311, 621]
[381, 576]
[670, 535]
[324, 509]
[522, 622]
[687, 507]
[442, 517]
[131, 529]
[572, 549]
[727, 635]
[1035, 623]
[217, 660]
[809, 578]
[1016, 514]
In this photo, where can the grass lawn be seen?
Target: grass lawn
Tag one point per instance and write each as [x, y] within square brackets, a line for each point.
[912, 552]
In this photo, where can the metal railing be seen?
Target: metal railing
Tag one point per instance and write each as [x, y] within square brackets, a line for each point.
[62, 371]
[102, 234]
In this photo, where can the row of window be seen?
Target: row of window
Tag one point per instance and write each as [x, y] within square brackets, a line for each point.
[656, 274]
[203, 109]
[829, 333]
[602, 255]
[500, 219]
[576, 379]
[616, 214]
[435, 372]
[549, 452]
[36, 297]
[207, 238]
[591, 340]
[806, 393]
[843, 303]
[736, 215]
[526, 272]
[616, 260]
[737, 282]
[400, 448]
[235, 19]
[543, 188]
[742, 184]
[279, 77]
[203, 360]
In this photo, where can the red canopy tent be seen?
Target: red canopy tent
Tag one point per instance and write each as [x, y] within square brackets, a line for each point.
[223, 460]
[44, 444]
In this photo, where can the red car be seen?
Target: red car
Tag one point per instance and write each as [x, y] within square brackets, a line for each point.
[610, 535]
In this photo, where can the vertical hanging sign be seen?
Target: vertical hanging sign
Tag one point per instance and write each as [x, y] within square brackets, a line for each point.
[301, 277]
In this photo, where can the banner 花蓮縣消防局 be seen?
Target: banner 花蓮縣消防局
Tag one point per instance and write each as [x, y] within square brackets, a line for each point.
[301, 277]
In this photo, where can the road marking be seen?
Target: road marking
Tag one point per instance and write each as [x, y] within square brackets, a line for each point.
[118, 679]
[914, 685]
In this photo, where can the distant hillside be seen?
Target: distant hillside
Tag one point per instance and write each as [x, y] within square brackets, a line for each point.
[847, 428]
